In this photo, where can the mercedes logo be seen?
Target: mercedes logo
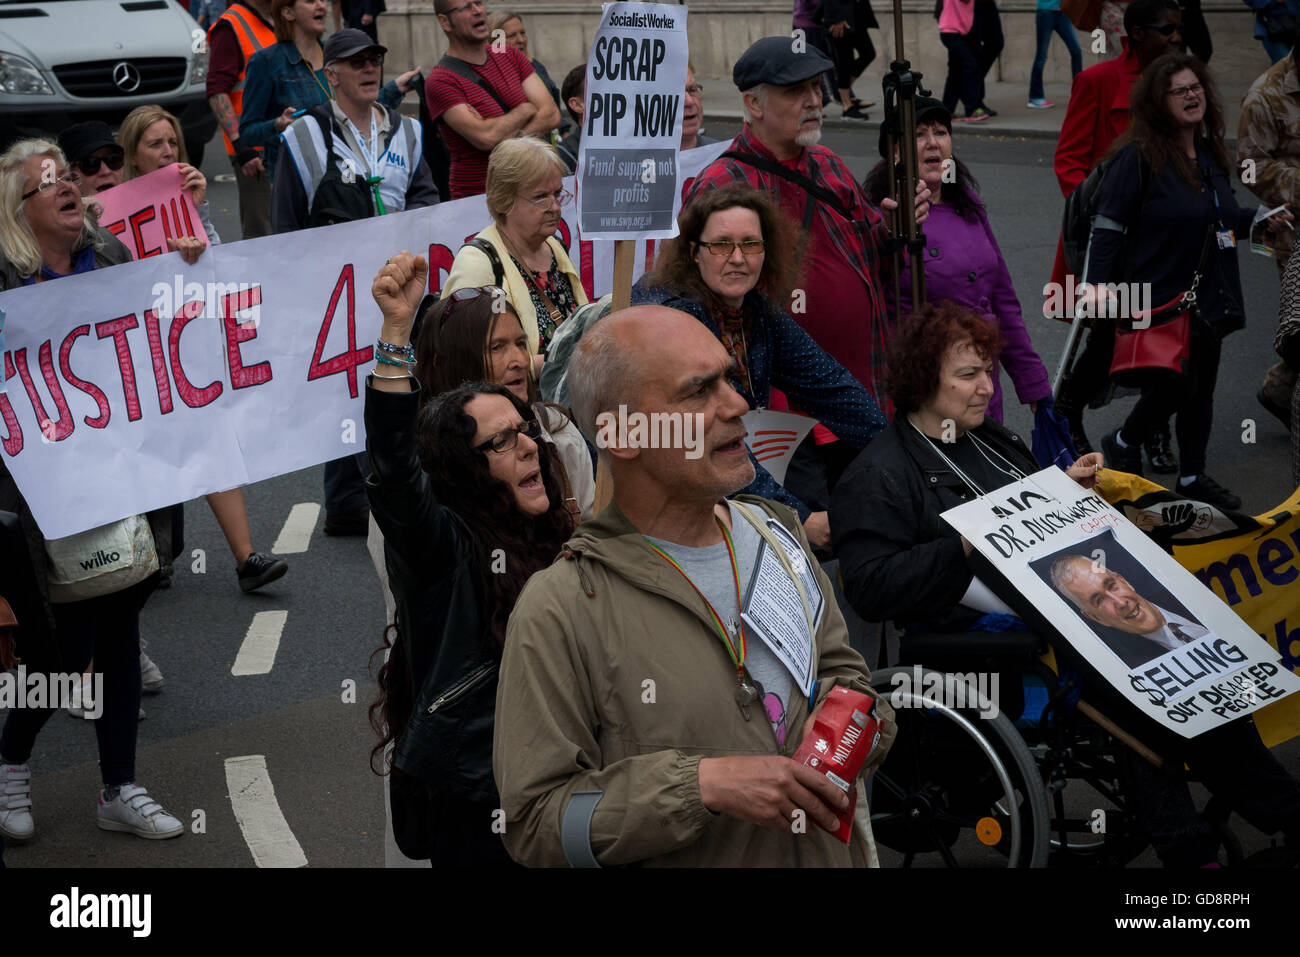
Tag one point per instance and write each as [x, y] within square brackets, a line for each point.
[126, 77]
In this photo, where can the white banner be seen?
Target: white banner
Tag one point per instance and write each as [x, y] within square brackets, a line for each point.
[1161, 638]
[632, 127]
[151, 383]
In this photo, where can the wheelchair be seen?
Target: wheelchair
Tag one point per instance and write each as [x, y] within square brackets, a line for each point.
[962, 788]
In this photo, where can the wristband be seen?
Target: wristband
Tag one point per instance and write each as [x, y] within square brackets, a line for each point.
[390, 361]
[406, 352]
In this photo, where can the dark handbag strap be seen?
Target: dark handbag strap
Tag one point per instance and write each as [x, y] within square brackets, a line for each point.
[487, 249]
[463, 69]
[794, 176]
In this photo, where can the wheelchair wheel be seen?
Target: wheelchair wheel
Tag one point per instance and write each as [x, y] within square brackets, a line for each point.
[958, 789]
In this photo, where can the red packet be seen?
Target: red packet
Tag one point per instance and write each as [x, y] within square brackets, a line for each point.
[845, 732]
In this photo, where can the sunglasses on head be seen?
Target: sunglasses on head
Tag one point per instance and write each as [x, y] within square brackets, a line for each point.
[90, 165]
[470, 293]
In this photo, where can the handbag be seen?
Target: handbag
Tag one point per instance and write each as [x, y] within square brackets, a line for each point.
[1084, 14]
[1164, 344]
[101, 561]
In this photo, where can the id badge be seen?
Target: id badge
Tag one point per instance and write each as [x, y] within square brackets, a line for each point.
[1226, 239]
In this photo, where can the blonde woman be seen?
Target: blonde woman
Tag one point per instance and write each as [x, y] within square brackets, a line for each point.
[151, 139]
[525, 195]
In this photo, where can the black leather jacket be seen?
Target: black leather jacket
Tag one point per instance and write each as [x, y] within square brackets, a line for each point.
[900, 561]
[452, 668]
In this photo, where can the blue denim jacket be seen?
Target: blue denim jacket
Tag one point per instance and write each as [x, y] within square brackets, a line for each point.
[277, 79]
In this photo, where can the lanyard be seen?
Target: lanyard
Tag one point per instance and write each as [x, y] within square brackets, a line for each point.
[1209, 184]
[736, 648]
[368, 155]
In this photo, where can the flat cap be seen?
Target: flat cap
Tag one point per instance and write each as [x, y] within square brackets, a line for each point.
[774, 60]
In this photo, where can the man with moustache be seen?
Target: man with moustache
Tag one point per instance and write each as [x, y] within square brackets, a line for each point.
[640, 717]
[482, 95]
[1104, 596]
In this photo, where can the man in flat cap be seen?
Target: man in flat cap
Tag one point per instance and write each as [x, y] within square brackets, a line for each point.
[838, 299]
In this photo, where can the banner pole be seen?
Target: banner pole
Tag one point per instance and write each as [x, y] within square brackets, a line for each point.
[624, 251]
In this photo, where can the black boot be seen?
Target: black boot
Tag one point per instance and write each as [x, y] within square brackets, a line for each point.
[1160, 454]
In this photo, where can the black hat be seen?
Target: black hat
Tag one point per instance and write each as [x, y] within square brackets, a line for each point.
[927, 108]
[81, 139]
[347, 42]
[774, 60]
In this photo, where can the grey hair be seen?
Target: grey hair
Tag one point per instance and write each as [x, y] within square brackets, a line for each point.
[602, 371]
[759, 91]
[1063, 572]
[17, 241]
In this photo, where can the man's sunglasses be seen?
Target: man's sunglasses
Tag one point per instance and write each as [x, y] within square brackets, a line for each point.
[359, 61]
[90, 165]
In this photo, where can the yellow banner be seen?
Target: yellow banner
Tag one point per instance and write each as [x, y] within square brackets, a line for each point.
[1252, 563]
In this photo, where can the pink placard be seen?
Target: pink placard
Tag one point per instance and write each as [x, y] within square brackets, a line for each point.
[144, 212]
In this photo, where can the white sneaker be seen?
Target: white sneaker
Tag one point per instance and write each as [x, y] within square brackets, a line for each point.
[87, 693]
[151, 679]
[15, 802]
[133, 810]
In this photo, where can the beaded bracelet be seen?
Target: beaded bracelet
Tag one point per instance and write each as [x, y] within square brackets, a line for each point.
[390, 361]
[407, 351]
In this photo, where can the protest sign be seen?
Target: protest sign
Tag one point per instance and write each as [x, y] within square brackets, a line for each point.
[628, 177]
[154, 382]
[1143, 622]
[147, 211]
[773, 437]
[1249, 562]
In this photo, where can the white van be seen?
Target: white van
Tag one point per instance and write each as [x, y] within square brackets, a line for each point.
[64, 61]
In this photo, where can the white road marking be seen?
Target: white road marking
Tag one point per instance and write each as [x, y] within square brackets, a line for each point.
[296, 534]
[257, 653]
[265, 830]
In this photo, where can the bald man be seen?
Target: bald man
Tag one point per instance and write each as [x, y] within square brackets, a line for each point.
[1105, 596]
[640, 719]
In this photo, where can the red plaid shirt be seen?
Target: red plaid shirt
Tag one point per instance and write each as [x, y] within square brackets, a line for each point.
[859, 240]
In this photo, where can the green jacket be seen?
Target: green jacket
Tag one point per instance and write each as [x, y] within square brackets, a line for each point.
[613, 680]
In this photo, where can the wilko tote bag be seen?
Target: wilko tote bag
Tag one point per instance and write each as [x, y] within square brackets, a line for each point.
[102, 560]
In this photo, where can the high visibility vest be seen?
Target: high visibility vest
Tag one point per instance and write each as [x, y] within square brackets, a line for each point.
[253, 34]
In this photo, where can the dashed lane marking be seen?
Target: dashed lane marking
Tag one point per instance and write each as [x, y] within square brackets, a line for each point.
[257, 652]
[296, 534]
[265, 830]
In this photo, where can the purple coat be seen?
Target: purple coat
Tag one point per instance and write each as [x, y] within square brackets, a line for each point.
[963, 264]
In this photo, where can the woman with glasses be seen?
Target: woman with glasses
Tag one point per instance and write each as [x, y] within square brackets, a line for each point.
[1167, 217]
[732, 261]
[45, 235]
[466, 495]
[290, 76]
[520, 252]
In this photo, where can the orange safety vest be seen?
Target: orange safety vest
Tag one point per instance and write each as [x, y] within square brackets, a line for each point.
[253, 34]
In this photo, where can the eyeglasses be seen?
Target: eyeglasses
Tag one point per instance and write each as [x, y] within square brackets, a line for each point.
[69, 177]
[561, 198]
[1164, 29]
[1182, 92]
[360, 61]
[724, 248]
[507, 439]
[695, 89]
[90, 165]
[465, 6]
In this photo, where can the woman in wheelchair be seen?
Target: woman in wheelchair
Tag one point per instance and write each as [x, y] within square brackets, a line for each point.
[900, 561]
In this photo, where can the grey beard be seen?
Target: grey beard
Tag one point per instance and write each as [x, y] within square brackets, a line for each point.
[811, 138]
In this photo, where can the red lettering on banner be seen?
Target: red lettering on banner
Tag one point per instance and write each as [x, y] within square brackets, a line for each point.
[172, 227]
[241, 376]
[53, 431]
[649, 255]
[117, 228]
[353, 357]
[159, 362]
[137, 221]
[565, 236]
[440, 259]
[191, 395]
[587, 269]
[117, 328]
[92, 390]
[13, 442]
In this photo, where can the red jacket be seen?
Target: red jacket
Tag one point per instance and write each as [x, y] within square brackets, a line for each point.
[1098, 113]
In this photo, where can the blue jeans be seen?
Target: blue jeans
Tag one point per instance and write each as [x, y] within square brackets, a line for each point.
[1046, 22]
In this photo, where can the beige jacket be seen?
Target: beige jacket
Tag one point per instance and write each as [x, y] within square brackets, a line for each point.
[471, 267]
[613, 680]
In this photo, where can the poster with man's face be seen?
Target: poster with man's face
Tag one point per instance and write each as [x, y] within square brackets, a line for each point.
[1148, 626]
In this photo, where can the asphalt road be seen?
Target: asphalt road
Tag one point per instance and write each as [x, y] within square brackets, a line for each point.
[315, 743]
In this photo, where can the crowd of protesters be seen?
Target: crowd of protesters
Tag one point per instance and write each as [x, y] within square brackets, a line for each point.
[519, 688]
